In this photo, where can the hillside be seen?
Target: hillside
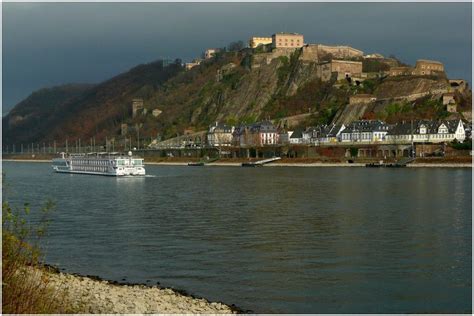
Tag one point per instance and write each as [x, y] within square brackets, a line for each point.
[399, 98]
[33, 116]
[283, 87]
[95, 111]
[233, 87]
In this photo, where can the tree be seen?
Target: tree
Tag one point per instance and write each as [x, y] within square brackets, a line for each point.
[235, 46]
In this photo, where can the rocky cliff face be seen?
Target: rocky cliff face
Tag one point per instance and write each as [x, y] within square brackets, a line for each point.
[395, 90]
[411, 88]
[241, 93]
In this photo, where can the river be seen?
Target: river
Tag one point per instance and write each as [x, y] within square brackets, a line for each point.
[271, 239]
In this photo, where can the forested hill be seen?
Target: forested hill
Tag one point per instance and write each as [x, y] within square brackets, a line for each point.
[82, 111]
[30, 119]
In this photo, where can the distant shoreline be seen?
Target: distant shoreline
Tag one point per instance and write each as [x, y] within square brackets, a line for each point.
[281, 164]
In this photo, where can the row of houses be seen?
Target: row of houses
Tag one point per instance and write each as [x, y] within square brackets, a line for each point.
[362, 131]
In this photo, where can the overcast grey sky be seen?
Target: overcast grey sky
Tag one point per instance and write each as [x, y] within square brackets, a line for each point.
[47, 44]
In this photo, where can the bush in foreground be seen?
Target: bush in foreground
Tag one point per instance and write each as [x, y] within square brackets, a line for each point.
[24, 290]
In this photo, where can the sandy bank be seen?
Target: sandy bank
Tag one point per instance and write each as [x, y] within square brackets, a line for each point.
[96, 296]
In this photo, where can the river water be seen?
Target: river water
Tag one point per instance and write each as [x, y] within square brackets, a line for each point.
[272, 239]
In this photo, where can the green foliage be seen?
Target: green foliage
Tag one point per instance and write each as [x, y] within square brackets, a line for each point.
[396, 108]
[374, 65]
[249, 119]
[247, 61]
[232, 120]
[354, 151]
[21, 291]
[368, 86]
[325, 116]
[424, 108]
[284, 70]
[465, 145]
[259, 49]
[235, 46]
[232, 79]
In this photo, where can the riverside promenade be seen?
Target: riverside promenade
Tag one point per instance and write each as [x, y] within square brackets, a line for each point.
[464, 162]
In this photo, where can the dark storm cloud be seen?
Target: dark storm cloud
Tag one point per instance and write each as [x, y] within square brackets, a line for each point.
[47, 44]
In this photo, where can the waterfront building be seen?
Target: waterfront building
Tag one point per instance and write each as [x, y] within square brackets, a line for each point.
[297, 137]
[284, 137]
[257, 135]
[311, 134]
[323, 134]
[220, 134]
[287, 40]
[422, 131]
[365, 131]
[332, 133]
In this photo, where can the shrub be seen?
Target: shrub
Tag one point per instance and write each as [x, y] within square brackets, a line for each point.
[23, 291]
[354, 151]
[466, 145]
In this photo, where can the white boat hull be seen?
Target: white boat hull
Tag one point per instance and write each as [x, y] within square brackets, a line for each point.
[103, 165]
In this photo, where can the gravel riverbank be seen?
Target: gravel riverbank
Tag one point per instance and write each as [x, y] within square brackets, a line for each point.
[96, 296]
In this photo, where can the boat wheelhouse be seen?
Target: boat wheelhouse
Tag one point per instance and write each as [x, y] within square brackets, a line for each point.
[108, 164]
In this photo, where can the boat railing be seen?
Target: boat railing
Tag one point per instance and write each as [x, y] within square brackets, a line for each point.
[103, 155]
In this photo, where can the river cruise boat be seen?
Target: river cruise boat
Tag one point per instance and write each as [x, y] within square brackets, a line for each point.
[106, 164]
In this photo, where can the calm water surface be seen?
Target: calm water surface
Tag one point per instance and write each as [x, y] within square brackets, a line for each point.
[295, 240]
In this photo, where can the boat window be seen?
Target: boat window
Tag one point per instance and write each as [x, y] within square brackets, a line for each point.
[137, 162]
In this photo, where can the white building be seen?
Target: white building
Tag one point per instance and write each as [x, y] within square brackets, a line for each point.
[364, 131]
[297, 137]
[220, 135]
[257, 134]
[427, 132]
[323, 134]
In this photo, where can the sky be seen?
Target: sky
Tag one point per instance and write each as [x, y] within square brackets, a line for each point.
[48, 44]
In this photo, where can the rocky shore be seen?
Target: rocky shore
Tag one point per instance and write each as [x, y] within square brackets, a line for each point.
[95, 296]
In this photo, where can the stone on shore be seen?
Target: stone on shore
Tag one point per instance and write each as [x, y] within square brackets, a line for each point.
[97, 296]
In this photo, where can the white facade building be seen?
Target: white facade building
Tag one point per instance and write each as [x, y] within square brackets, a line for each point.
[365, 131]
[427, 132]
[220, 135]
